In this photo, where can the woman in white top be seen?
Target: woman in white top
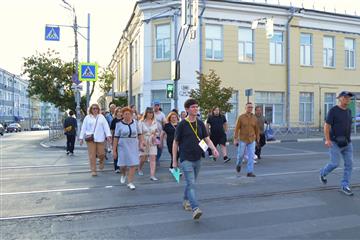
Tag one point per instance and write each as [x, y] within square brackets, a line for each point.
[149, 129]
[94, 130]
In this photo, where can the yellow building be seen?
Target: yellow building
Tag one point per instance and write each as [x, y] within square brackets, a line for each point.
[295, 76]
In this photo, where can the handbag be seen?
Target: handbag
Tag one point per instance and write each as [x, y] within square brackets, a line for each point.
[90, 137]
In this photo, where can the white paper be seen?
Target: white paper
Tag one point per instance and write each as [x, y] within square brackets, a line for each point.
[203, 145]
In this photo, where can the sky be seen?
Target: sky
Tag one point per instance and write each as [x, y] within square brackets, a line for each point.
[22, 26]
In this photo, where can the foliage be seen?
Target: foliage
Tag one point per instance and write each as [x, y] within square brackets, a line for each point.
[210, 93]
[50, 79]
[106, 78]
[120, 101]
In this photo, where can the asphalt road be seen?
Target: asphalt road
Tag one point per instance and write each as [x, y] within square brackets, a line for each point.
[46, 194]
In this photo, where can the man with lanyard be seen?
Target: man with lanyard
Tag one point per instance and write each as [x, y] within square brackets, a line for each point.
[192, 140]
[337, 130]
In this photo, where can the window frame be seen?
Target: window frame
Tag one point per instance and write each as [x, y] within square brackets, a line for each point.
[212, 43]
[303, 63]
[305, 104]
[282, 49]
[353, 51]
[163, 51]
[245, 44]
[325, 63]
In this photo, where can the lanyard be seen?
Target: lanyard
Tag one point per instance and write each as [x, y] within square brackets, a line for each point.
[192, 128]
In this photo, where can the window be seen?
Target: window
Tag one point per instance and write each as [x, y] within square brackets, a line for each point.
[329, 52]
[349, 53]
[306, 112]
[272, 104]
[277, 48]
[306, 49]
[246, 44]
[330, 101]
[214, 42]
[162, 34]
[232, 115]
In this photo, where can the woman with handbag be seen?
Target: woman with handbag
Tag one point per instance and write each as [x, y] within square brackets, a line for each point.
[94, 130]
[149, 128]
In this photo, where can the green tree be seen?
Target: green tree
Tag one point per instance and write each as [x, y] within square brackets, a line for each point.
[211, 94]
[50, 79]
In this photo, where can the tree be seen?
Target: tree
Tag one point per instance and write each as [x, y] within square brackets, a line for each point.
[50, 79]
[210, 93]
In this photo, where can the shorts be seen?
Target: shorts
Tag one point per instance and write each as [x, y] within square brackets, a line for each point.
[218, 140]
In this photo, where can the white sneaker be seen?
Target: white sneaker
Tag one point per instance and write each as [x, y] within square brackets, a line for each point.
[171, 170]
[140, 173]
[153, 179]
[131, 186]
[122, 179]
[117, 171]
[255, 157]
[255, 162]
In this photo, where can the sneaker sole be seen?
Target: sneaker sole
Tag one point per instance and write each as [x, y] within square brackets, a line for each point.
[321, 181]
[197, 216]
[227, 160]
[347, 194]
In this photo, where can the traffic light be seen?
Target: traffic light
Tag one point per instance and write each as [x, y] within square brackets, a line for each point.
[170, 90]
[175, 70]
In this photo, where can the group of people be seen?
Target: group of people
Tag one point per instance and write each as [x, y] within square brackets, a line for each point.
[136, 139]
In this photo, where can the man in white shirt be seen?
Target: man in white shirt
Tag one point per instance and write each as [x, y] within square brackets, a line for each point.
[160, 118]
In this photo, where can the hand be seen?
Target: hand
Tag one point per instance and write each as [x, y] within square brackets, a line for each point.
[328, 143]
[81, 142]
[108, 139]
[215, 153]
[236, 142]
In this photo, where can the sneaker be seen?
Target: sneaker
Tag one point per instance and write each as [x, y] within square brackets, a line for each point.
[93, 173]
[153, 178]
[117, 171]
[197, 214]
[227, 159]
[255, 162]
[347, 191]
[122, 179]
[171, 170]
[131, 186]
[250, 174]
[67, 152]
[238, 168]
[187, 205]
[140, 173]
[323, 179]
[255, 157]
[72, 154]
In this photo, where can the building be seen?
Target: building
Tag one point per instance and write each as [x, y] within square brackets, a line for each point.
[295, 75]
[16, 106]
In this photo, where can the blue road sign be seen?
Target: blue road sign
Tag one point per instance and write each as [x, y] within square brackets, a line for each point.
[88, 72]
[52, 33]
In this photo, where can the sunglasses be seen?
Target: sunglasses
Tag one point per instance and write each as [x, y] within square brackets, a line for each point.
[95, 108]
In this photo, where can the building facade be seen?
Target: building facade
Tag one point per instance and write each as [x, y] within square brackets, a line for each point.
[16, 106]
[295, 75]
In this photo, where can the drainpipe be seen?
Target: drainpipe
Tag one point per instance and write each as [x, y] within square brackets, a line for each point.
[200, 37]
[176, 96]
[288, 67]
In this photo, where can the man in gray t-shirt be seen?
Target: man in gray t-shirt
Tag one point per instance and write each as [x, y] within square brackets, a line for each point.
[160, 118]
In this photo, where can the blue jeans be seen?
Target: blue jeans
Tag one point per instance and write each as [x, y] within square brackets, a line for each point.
[191, 171]
[158, 155]
[335, 155]
[250, 147]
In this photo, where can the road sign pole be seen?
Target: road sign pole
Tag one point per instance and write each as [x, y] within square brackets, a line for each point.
[88, 60]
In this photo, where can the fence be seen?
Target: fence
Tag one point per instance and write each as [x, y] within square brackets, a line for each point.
[56, 132]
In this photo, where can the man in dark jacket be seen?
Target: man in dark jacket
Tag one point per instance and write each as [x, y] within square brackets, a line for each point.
[70, 127]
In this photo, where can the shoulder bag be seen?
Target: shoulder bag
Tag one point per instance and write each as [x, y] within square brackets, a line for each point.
[90, 137]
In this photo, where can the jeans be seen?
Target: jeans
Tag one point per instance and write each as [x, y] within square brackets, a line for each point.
[191, 170]
[158, 155]
[335, 155]
[70, 143]
[250, 147]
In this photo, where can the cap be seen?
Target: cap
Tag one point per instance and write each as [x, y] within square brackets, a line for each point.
[345, 93]
[156, 102]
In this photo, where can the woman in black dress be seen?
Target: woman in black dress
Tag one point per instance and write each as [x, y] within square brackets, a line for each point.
[169, 132]
[117, 118]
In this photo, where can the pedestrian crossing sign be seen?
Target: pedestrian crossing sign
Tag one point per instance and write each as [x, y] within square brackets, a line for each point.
[52, 33]
[88, 72]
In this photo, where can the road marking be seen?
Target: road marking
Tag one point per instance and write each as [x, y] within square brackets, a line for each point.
[295, 154]
[46, 191]
[43, 166]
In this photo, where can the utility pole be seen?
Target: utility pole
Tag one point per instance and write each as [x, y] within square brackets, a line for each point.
[88, 60]
[77, 92]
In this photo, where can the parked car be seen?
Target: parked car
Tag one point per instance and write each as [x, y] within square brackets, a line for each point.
[13, 127]
[2, 129]
[36, 127]
[45, 127]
